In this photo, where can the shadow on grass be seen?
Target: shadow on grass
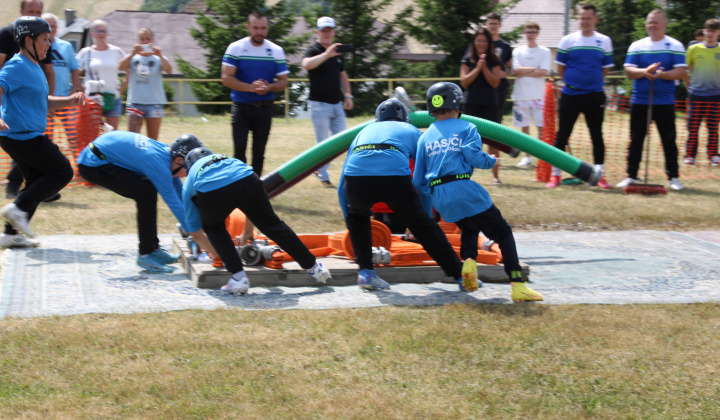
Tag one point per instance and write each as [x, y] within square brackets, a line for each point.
[279, 208]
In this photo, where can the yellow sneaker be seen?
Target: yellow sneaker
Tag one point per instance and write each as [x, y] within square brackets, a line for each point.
[469, 275]
[522, 293]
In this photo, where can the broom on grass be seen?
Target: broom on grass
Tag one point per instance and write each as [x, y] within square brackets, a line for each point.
[647, 189]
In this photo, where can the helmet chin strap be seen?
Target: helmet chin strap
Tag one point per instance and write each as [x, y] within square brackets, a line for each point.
[35, 51]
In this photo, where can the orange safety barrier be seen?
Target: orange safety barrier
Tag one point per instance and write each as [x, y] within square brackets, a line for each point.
[692, 120]
[543, 169]
[403, 253]
[71, 129]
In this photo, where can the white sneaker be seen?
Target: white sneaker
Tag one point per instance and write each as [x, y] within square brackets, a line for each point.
[17, 218]
[675, 184]
[320, 273]
[625, 182]
[17, 241]
[689, 161]
[715, 161]
[238, 286]
[525, 162]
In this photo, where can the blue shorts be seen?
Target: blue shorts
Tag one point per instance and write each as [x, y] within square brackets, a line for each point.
[145, 111]
[116, 111]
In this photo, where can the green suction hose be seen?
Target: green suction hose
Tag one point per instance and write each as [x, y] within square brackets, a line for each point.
[297, 168]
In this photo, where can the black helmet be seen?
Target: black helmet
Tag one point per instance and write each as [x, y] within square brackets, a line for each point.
[183, 145]
[392, 110]
[196, 154]
[31, 26]
[444, 95]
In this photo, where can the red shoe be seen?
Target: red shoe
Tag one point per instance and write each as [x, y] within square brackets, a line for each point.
[554, 182]
[603, 184]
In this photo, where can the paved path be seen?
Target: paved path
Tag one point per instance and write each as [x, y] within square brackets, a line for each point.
[97, 274]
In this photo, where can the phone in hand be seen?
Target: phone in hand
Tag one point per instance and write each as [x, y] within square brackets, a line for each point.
[147, 48]
[345, 48]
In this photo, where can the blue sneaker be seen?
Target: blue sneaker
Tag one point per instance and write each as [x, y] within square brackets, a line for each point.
[165, 257]
[463, 289]
[150, 263]
[369, 280]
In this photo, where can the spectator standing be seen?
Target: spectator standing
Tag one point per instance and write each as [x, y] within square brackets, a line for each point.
[503, 51]
[530, 65]
[480, 75]
[8, 48]
[146, 93]
[62, 56]
[100, 62]
[657, 60]
[25, 98]
[584, 59]
[699, 37]
[250, 67]
[330, 93]
[704, 102]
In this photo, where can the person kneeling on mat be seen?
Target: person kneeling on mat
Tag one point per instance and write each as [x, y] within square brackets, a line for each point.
[215, 186]
[446, 155]
[377, 169]
[138, 167]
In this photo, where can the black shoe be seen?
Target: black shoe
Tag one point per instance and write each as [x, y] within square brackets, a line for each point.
[11, 191]
[50, 199]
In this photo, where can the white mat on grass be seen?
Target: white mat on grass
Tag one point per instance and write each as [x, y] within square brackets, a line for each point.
[71, 275]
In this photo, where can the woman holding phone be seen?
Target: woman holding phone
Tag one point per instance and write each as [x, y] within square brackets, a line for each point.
[146, 93]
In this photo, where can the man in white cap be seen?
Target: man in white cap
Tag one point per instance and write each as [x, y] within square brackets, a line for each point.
[330, 93]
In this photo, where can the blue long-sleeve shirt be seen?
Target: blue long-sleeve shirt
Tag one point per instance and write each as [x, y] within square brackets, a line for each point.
[452, 147]
[144, 156]
[385, 162]
[219, 174]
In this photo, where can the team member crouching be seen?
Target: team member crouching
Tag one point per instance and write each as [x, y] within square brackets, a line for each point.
[24, 94]
[377, 169]
[215, 186]
[138, 167]
[446, 155]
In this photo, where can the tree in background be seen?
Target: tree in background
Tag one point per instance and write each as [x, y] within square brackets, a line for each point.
[686, 16]
[225, 25]
[375, 42]
[447, 27]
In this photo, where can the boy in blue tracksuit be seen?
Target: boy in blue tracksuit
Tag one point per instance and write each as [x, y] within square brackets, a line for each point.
[377, 170]
[446, 155]
[215, 186]
[139, 168]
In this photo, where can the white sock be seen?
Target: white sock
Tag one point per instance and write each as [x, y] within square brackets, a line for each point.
[556, 171]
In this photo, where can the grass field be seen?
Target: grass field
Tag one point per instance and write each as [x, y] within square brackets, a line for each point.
[456, 361]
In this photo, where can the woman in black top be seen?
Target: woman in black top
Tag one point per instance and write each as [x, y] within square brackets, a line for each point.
[480, 74]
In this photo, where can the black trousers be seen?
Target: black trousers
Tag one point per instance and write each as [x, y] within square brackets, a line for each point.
[495, 227]
[43, 166]
[135, 187]
[246, 118]
[664, 117]
[249, 196]
[593, 106]
[400, 195]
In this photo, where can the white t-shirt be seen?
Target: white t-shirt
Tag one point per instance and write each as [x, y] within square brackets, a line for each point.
[103, 65]
[529, 88]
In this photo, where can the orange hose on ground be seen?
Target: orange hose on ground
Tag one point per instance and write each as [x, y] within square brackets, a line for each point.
[381, 237]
